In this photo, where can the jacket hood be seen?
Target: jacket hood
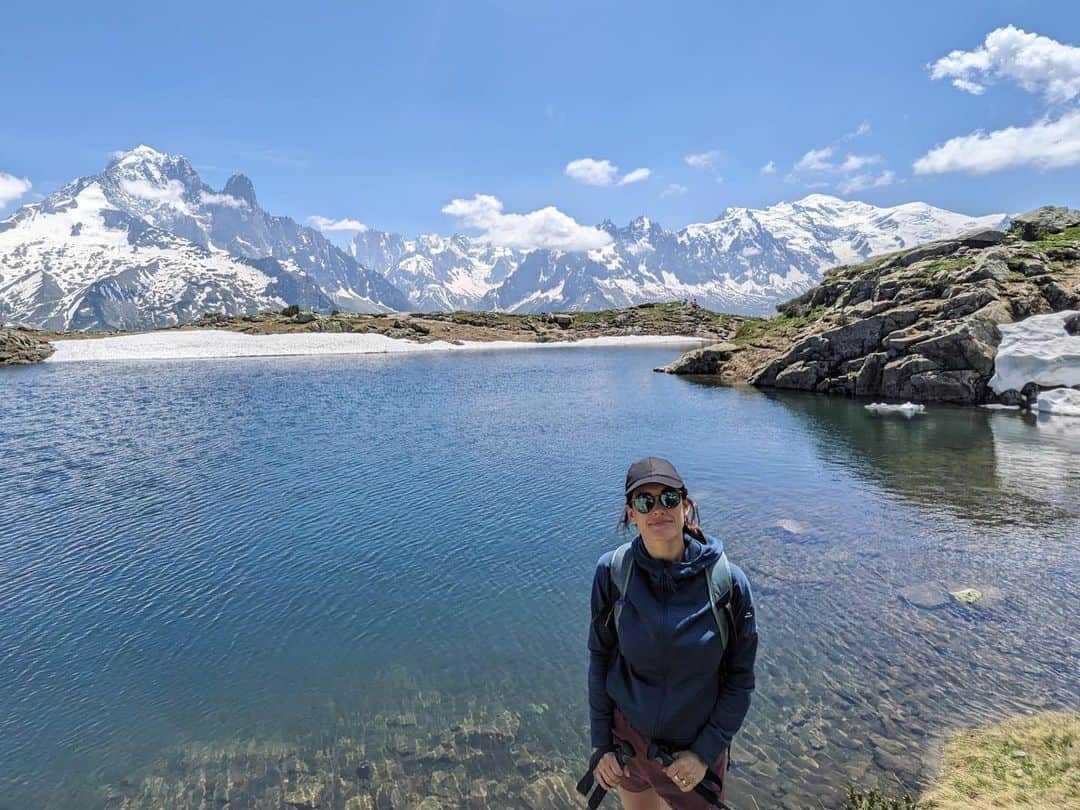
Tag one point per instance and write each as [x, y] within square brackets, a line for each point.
[697, 556]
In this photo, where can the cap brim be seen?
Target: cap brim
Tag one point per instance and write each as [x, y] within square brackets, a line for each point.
[656, 479]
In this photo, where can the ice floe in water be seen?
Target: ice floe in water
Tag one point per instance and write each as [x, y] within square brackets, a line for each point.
[217, 343]
[1037, 349]
[1063, 401]
[907, 409]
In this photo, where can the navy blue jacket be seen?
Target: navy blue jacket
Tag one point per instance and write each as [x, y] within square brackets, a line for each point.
[663, 670]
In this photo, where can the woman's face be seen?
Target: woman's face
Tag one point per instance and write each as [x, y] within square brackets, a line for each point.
[659, 525]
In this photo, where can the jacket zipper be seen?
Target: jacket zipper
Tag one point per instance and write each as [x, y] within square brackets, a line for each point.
[665, 578]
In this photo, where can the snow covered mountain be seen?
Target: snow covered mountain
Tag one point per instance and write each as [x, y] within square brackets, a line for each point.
[147, 243]
[746, 261]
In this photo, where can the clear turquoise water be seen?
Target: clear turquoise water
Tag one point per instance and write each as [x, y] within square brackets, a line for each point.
[279, 549]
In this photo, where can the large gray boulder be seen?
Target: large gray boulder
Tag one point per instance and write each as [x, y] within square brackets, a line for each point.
[1044, 221]
[19, 348]
[706, 360]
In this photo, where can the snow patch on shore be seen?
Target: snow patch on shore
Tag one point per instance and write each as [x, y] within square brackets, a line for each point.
[1062, 401]
[1037, 349]
[217, 343]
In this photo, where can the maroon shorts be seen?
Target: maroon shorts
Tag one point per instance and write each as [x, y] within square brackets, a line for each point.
[646, 773]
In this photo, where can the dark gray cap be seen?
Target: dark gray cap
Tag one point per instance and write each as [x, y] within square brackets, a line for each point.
[652, 470]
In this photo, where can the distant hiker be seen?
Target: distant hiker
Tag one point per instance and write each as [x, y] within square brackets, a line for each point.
[672, 645]
[695, 304]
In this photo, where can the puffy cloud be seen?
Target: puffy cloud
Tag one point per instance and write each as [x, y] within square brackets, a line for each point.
[12, 187]
[592, 172]
[228, 200]
[171, 194]
[863, 181]
[636, 176]
[702, 160]
[1036, 63]
[545, 228]
[1045, 145]
[674, 190]
[769, 168]
[328, 224]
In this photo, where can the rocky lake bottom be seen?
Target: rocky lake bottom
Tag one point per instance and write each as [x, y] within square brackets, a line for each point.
[362, 582]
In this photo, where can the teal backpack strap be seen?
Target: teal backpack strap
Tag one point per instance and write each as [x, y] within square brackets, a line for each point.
[719, 580]
[622, 566]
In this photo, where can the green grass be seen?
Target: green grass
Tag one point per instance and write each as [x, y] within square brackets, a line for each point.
[950, 264]
[848, 271]
[754, 329]
[1066, 238]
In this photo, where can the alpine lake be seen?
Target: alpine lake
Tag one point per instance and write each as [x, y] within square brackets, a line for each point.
[363, 582]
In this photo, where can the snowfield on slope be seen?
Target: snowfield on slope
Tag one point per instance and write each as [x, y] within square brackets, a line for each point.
[215, 343]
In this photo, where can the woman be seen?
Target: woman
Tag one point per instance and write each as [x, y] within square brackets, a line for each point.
[664, 675]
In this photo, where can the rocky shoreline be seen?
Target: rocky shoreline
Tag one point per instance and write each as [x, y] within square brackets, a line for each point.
[920, 325]
[667, 319]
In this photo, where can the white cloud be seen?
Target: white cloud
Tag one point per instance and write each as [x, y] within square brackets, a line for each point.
[719, 180]
[546, 228]
[769, 168]
[1044, 145]
[12, 187]
[863, 181]
[328, 224]
[822, 168]
[592, 172]
[674, 190]
[702, 160]
[171, 194]
[636, 176]
[816, 160]
[228, 200]
[853, 163]
[862, 129]
[1036, 63]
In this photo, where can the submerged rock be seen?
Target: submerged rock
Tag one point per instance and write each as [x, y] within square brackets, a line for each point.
[967, 596]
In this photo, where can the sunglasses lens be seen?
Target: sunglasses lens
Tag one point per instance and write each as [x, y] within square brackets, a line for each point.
[643, 503]
[670, 498]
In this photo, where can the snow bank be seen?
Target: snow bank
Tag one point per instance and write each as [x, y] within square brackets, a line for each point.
[907, 409]
[997, 406]
[217, 343]
[1039, 350]
[1064, 401]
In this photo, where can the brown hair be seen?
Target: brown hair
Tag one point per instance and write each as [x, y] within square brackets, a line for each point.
[693, 520]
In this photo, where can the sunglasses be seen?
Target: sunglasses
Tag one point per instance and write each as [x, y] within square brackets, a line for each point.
[644, 503]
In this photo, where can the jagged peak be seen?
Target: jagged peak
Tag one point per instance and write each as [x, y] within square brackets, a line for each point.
[241, 187]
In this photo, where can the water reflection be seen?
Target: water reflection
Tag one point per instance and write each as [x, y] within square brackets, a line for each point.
[990, 468]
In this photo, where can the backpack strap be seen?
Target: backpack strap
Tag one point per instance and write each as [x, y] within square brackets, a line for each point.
[718, 578]
[622, 566]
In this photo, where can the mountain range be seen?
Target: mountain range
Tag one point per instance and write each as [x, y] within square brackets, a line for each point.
[147, 243]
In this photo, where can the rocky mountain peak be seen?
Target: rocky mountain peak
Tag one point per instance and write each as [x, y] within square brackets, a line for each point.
[241, 187]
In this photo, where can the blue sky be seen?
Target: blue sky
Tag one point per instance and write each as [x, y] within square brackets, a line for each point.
[385, 113]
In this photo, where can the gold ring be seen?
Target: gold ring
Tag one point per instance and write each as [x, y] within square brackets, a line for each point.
[680, 778]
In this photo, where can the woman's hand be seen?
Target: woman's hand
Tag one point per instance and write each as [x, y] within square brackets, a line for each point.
[608, 772]
[686, 771]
